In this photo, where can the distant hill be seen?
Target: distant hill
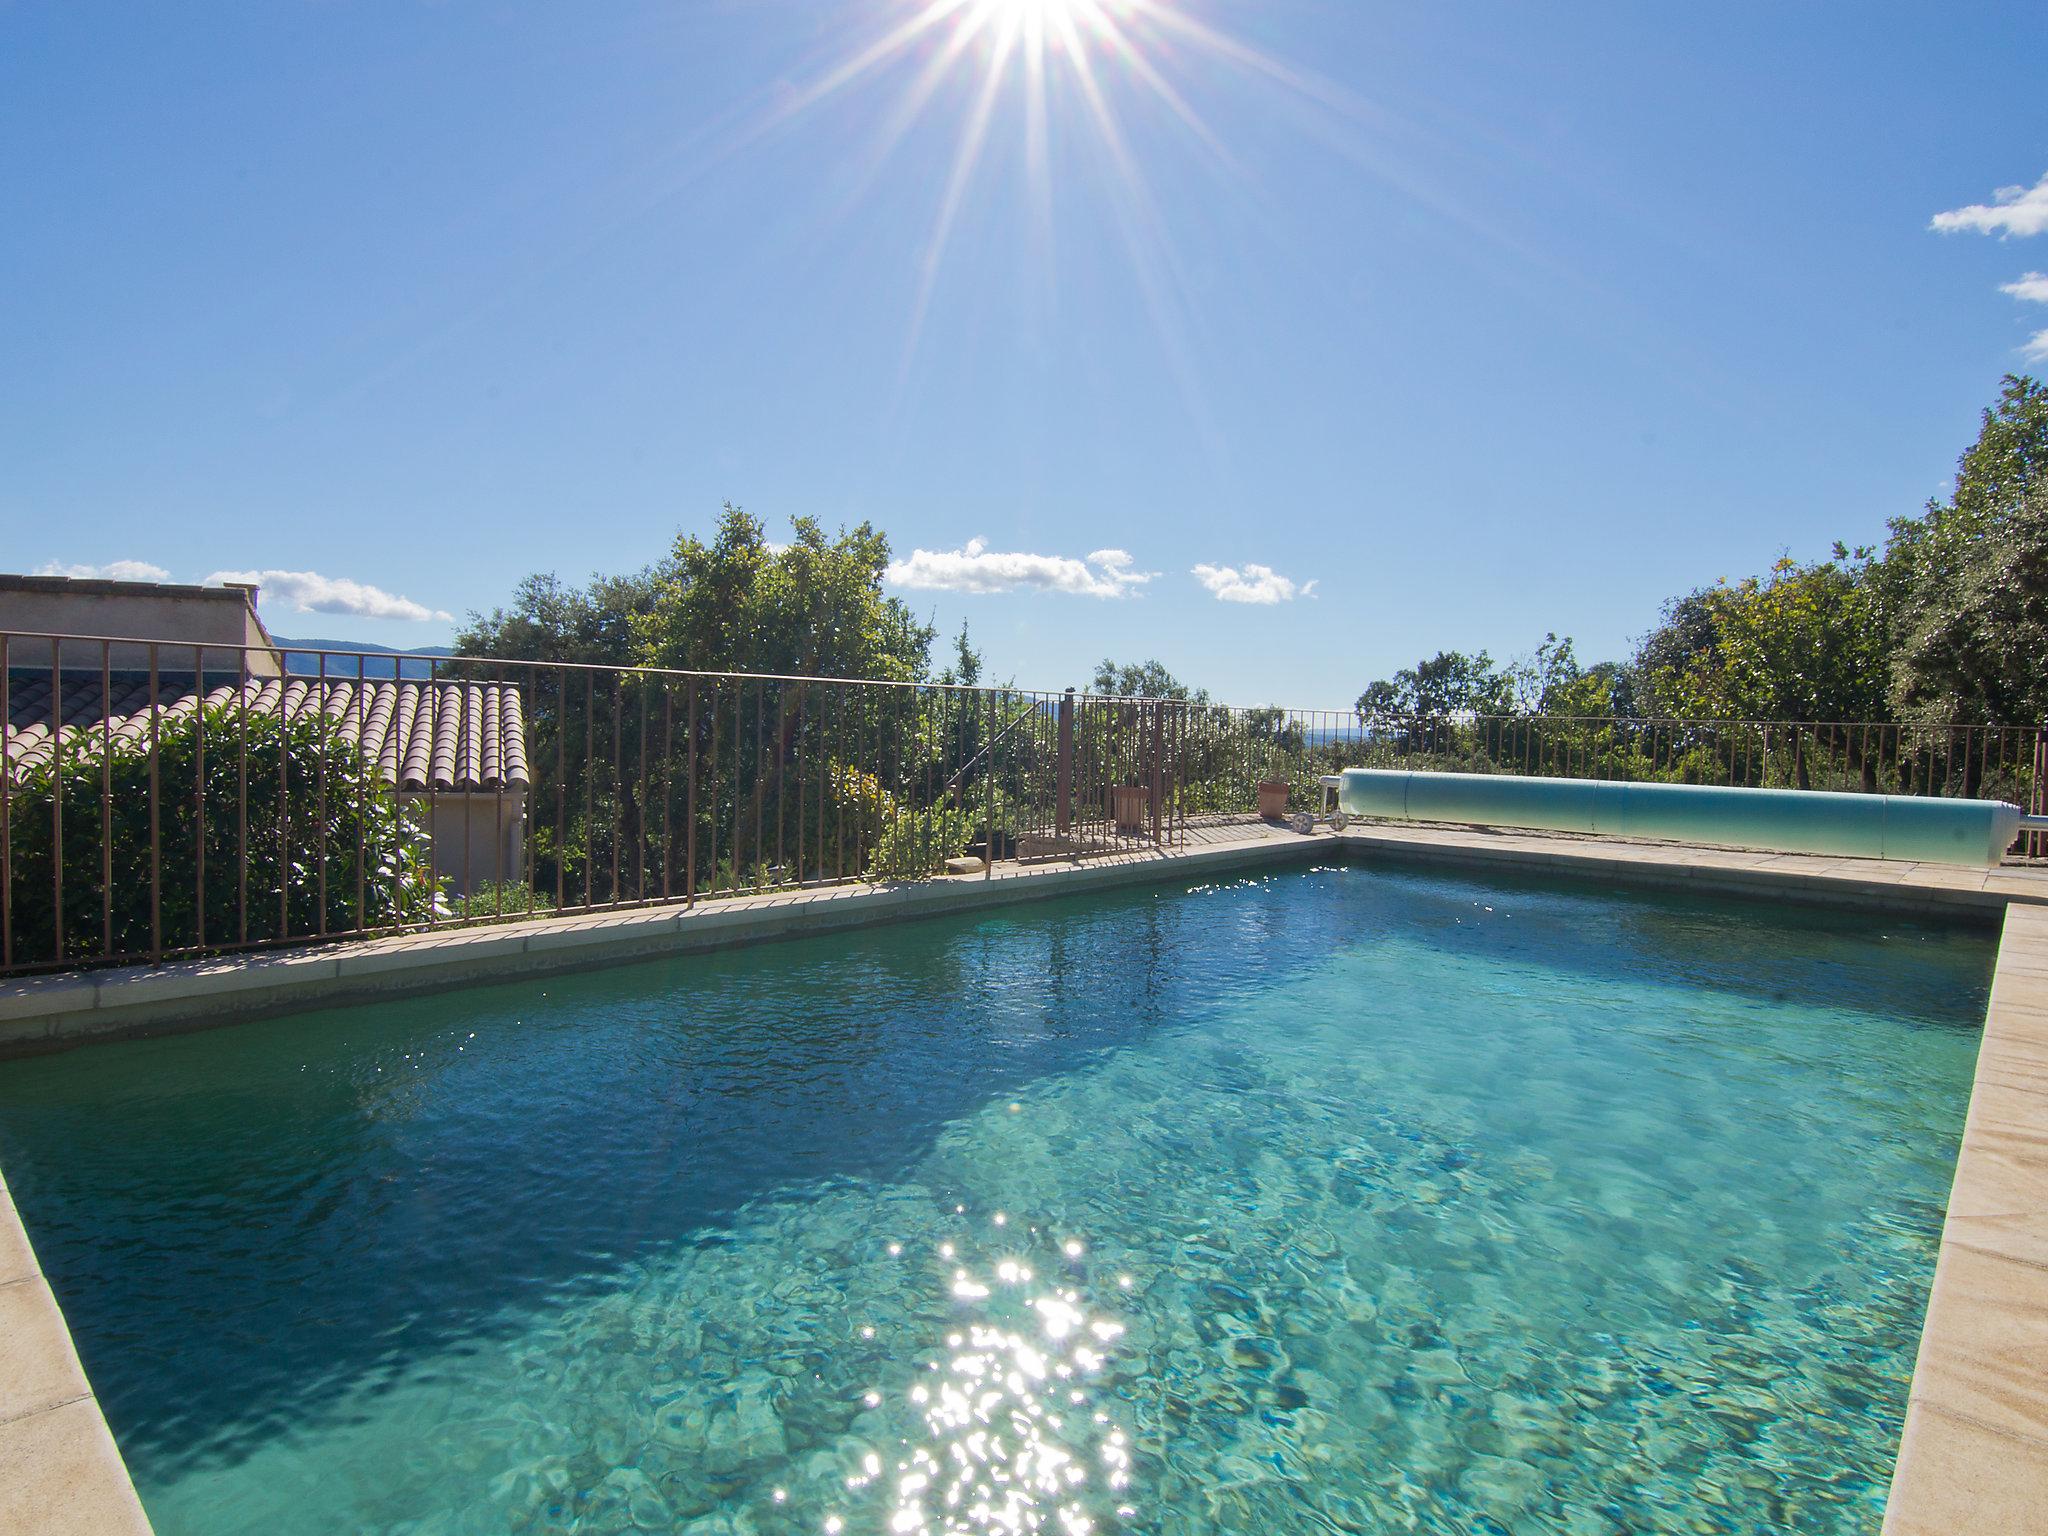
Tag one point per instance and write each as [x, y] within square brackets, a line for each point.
[304, 661]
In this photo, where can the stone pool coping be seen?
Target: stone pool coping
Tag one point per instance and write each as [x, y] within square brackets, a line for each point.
[60, 1471]
[1974, 1454]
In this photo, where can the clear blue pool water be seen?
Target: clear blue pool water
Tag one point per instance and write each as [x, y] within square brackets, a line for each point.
[1340, 1200]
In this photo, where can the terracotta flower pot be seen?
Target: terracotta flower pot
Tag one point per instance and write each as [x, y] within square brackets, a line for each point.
[1130, 807]
[1273, 798]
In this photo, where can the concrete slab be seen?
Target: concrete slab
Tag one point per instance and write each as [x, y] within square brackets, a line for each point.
[43, 997]
[1956, 1477]
[59, 1469]
[1974, 1454]
[1990, 1361]
[17, 1259]
[60, 1475]
[38, 1367]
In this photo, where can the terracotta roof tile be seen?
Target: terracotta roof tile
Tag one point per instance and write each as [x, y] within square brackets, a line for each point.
[446, 736]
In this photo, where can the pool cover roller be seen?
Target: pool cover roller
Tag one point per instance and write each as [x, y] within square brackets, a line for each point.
[1936, 831]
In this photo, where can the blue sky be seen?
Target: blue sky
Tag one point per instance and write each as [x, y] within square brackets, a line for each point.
[1485, 319]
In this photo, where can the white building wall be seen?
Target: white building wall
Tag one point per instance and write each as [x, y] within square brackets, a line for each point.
[479, 839]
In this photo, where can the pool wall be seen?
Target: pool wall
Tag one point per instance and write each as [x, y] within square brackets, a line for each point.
[39, 1013]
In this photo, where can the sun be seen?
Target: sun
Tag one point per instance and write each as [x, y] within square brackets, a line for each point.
[1101, 63]
[1027, 12]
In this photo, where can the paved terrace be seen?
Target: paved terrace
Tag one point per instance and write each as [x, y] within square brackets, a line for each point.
[1974, 1455]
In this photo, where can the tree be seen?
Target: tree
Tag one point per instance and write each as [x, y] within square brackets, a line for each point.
[1142, 680]
[1450, 683]
[1551, 682]
[966, 667]
[1943, 571]
[549, 620]
[813, 607]
[1977, 649]
[1685, 638]
[1605, 688]
[1805, 642]
[608, 747]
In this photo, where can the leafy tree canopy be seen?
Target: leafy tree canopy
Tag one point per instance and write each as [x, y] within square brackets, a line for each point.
[1450, 683]
[1944, 569]
[1977, 635]
[1805, 642]
[813, 606]
[1142, 680]
[733, 603]
[549, 620]
[966, 666]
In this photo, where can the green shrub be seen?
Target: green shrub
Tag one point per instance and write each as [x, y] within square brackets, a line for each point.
[504, 898]
[918, 843]
[311, 800]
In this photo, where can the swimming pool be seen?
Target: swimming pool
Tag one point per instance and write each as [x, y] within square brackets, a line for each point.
[1344, 1199]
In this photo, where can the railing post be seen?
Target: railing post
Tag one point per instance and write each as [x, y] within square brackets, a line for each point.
[1158, 755]
[988, 799]
[57, 798]
[1063, 819]
[2038, 801]
[6, 821]
[156, 904]
[690, 791]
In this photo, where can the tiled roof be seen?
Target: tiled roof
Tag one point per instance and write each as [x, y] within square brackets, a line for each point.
[446, 736]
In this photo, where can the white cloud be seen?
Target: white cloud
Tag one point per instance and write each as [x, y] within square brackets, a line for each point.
[310, 592]
[2033, 287]
[113, 570]
[977, 568]
[1253, 584]
[2011, 211]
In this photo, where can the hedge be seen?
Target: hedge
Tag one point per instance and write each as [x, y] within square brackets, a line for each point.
[254, 875]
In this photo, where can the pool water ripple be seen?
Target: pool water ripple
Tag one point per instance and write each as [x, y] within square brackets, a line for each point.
[1333, 1201]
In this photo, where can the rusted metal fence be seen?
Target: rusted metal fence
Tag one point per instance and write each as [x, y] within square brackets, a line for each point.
[1966, 761]
[163, 800]
[1861, 757]
[159, 800]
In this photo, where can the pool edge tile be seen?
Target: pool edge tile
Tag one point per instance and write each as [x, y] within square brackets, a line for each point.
[1973, 1454]
[1957, 1477]
[61, 1475]
[1992, 1368]
[60, 1470]
[39, 1369]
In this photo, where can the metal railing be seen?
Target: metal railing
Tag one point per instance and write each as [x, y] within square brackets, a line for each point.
[1862, 757]
[162, 800]
[1868, 757]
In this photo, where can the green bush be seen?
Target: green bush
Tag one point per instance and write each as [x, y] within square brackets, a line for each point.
[505, 898]
[311, 800]
[918, 843]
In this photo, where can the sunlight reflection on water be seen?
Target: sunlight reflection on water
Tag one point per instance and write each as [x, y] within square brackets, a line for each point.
[1008, 1435]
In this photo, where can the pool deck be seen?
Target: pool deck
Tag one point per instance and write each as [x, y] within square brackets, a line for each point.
[1974, 1456]
[60, 1472]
